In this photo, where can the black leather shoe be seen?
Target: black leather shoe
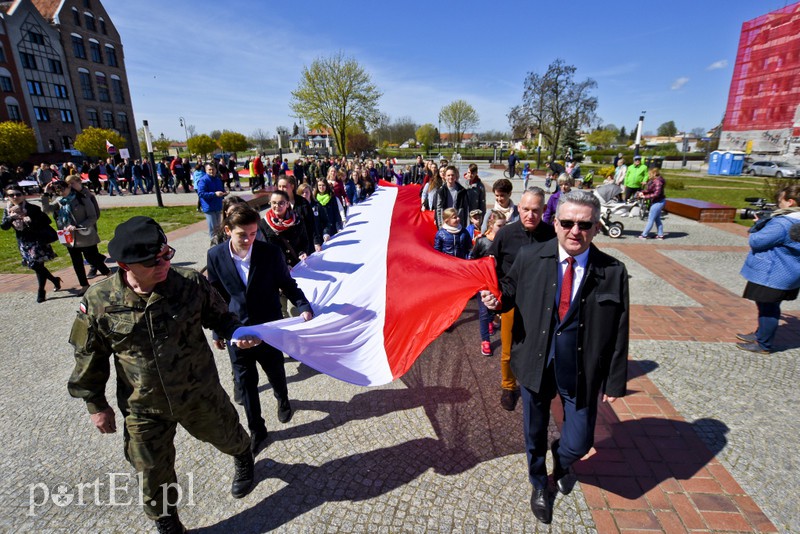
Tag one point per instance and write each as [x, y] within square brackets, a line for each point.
[243, 475]
[565, 479]
[258, 442]
[540, 506]
[57, 283]
[285, 411]
[170, 524]
[509, 398]
[40, 296]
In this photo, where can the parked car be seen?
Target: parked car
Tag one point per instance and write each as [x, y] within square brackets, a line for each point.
[778, 169]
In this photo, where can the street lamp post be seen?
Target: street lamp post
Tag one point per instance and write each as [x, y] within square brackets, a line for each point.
[439, 135]
[185, 132]
[639, 134]
[153, 173]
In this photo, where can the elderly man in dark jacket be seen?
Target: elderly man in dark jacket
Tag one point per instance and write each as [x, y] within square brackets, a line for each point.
[570, 337]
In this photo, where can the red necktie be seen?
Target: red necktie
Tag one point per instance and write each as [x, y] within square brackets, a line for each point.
[566, 289]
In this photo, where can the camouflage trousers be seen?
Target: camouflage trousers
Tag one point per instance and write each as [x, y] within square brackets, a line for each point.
[150, 449]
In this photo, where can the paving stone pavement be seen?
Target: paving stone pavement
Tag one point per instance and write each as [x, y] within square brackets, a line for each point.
[431, 452]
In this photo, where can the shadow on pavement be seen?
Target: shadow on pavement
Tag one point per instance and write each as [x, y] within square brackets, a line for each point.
[459, 390]
[637, 368]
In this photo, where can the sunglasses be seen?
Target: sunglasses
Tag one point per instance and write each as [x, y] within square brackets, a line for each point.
[582, 225]
[158, 259]
[13, 195]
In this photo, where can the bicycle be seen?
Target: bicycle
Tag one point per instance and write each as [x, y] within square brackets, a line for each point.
[507, 173]
[644, 208]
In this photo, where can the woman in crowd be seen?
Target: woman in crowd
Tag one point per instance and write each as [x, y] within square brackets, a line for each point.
[654, 192]
[329, 219]
[282, 227]
[365, 186]
[227, 203]
[502, 189]
[565, 183]
[772, 269]
[452, 238]
[481, 249]
[34, 235]
[77, 214]
[431, 183]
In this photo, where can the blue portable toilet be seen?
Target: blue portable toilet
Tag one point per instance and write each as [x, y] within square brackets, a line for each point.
[725, 163]
[737, 163]
[714, 162]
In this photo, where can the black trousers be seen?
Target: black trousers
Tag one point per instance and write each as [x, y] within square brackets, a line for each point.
[245, 374]
[93, 256]
[42, 274]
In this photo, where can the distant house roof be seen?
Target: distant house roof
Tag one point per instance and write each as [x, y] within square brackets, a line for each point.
[320, 131]
[177, 144]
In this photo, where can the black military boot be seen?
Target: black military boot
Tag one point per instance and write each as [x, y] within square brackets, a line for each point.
[170, 524]
[243, 475]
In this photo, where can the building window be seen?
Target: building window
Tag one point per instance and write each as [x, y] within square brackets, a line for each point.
[90, 22]
[13, 112]
[66, 116]
[35, 88]
[103, 27]
[97, 55]
[86, 86]
[55, 66]
[42, 114]
[76, 17]
[78, 49]
[60, 90]
[108, 120]
[2, 54]
[36, 38]
[123, 123]
[111, 54]
[93, 119]
[87, 4]
[116, 86]
[102, 87]
[6, 85]
[28, 61]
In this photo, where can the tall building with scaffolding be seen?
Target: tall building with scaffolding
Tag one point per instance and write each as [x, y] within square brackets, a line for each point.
[763, 112]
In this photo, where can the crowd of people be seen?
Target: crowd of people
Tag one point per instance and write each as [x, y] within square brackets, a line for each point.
[585, 306]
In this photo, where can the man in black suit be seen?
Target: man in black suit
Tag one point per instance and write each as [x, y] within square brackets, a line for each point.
[570, 337]
[250, 275]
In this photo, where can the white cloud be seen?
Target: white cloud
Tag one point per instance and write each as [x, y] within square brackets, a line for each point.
[721, 64]
[680, 82]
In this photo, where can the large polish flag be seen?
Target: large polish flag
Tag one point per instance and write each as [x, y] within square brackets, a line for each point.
[379, 291]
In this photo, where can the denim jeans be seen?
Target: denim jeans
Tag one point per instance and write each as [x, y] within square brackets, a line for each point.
[214, 219]
[655, 217]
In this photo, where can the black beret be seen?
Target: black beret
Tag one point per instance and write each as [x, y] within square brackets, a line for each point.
[136, 240]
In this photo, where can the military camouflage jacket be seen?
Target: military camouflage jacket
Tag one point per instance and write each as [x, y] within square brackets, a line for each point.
[161, 354]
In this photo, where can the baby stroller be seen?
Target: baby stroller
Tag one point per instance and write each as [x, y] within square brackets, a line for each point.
[608, 195]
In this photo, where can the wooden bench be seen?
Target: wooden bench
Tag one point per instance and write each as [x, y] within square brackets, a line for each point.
[700, 210]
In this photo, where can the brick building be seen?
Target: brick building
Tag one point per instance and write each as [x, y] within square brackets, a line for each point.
[40, 93]
[96, 65]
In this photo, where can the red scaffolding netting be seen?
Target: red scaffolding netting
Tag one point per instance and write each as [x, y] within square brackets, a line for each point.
[765, 89]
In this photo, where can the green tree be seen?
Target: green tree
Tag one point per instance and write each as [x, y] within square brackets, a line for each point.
[162, 144]
[426, 135]
[460, 117]
[668, 129]
[623, 135]
[554, 103]
[336, 92]
[201, 144]
[215, 135]
[143, 141]
[359, 142]
[232, 141]
[571, 141]
[601, 138]
[92, 141]
[17, 142]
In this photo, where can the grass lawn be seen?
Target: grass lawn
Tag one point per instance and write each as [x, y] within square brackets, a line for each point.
[170, 218]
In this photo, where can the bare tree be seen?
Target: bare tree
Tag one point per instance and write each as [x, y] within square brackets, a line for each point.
[554, 102]
[260, 138]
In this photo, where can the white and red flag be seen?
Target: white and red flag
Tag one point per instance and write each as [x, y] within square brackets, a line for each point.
[379, 291]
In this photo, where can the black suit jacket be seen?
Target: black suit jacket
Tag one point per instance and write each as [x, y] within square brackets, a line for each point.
[259, 301]
[601, 359]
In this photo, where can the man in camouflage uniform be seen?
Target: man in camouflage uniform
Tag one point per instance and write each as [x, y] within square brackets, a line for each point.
[150, 316]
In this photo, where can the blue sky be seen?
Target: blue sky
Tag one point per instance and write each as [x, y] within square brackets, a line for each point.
[233, 64]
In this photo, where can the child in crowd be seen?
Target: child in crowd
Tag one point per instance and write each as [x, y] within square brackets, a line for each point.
[526, 172]
[474, 226]
[452, 238]
[486, 317]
